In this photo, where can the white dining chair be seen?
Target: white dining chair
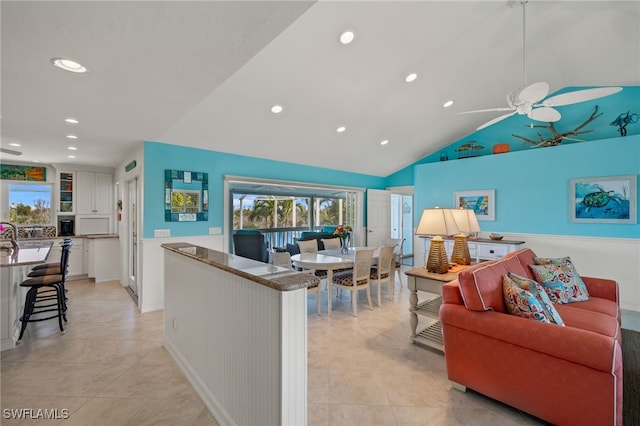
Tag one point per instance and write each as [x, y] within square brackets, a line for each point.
[382, 272]
[358, 278]
[310, 246]
[331, 243]
[397, 243]
[283, 259]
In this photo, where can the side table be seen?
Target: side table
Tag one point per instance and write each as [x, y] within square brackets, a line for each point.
[430, 282]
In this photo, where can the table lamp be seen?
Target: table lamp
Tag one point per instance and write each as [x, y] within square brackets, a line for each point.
[467, 223]
[437, 222]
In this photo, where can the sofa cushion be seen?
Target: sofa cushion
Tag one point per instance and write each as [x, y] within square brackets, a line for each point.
[598, 304]
[481, 284]
[561, 281]
[539, 293]
[585, 319]
[521, 299]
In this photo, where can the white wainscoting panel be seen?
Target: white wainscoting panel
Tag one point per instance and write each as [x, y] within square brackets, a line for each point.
[242, 345]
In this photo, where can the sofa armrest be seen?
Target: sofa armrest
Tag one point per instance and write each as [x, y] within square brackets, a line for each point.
[568, 343]
[602, 287]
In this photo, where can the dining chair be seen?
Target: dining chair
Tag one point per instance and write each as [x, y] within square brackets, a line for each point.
[397, 243]
[382, 272]
[283, 259]
[331, 243]
[358, 278]
[309, 246]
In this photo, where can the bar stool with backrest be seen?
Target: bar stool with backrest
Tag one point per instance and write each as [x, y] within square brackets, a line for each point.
[52, 269]
[44, 307]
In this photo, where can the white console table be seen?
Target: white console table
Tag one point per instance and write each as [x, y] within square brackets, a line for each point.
[480, 249]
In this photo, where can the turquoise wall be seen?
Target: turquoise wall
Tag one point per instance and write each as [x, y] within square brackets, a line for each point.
[160, 156]
[532, 187]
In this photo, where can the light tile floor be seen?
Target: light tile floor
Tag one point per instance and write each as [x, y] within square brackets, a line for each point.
[110, 368]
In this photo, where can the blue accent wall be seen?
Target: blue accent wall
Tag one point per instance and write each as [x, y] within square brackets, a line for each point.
[160, 156]
[532, 186]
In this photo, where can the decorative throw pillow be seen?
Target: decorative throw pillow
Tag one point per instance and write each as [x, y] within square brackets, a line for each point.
[521, 302]
[539, 293]
[561, 281]
[551, 260]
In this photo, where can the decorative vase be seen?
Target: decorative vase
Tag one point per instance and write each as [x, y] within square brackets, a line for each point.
[344, 245]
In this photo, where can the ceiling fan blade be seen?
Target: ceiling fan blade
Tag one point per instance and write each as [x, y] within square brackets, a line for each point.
[486, 110]
[495, 120]
[544, 114]
[580, 96]
[534, 92]
[10, 151]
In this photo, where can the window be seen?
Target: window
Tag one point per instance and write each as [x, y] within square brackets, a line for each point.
[30, 203]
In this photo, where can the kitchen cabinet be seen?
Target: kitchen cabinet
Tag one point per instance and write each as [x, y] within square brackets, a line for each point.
[94, 193]
[66, 192]
[76, 256]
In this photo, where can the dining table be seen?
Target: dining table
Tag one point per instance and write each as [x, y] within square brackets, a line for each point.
[329, 261]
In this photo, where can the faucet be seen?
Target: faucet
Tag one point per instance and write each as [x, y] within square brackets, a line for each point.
[14, 235]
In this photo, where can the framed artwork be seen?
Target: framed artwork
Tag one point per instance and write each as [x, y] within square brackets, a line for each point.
[482, 202]
[610, 199]
[186, 196]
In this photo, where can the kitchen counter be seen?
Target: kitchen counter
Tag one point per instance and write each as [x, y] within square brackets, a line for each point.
[29, 253]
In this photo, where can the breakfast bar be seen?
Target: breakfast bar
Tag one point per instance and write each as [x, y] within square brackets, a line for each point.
[14, 266]
[238, 330]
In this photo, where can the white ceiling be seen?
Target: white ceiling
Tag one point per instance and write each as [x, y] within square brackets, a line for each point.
[205, 74]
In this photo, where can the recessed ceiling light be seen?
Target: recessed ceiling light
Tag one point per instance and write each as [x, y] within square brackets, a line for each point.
[15, 144]
[71, 120]
[71, 156]
[384, 142]
[341, 129]
[68, 65]
[276, 109]
[448, 103]
[347, 37]
[72, 148]
[72, 137]
[411, 77]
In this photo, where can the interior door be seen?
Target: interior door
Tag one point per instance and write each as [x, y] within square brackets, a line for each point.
[378, 217]
[133, 236]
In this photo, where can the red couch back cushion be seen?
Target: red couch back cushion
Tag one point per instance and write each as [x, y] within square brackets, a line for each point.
[481, 284]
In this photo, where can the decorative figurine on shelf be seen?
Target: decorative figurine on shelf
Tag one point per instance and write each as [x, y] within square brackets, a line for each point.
[344, 233]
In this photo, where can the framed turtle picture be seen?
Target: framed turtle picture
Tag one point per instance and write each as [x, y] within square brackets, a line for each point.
[610, 199]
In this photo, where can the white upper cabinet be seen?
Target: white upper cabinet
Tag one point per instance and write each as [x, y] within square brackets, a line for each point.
[94, 193]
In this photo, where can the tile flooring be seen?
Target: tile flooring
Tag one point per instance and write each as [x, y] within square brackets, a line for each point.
[110, 368]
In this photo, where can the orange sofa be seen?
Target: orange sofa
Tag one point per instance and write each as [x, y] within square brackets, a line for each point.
[565, 375]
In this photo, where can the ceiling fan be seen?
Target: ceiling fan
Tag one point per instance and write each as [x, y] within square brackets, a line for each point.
[530, 100]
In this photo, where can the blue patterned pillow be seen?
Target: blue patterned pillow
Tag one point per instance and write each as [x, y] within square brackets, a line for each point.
[521, 302]
[539, 293]
[561, 281]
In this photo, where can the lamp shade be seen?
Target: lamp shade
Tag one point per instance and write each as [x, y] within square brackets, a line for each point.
[437, 222]
[466, 221]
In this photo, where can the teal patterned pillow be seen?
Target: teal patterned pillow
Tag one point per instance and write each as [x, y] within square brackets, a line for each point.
[561, 281]
[539, 293]
[521, 302]
[551, 260]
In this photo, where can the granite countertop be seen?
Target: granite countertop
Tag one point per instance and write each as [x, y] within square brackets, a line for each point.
[29, 253]
[272, 276]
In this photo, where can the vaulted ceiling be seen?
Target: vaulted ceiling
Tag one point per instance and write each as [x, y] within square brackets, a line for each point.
[206, 74]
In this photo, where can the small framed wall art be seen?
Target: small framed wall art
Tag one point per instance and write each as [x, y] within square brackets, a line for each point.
[610, 199]
[482, 202]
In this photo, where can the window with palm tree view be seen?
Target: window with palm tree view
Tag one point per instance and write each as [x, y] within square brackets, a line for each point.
[282, 217]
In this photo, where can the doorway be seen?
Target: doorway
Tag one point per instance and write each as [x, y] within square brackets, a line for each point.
[402, 223]
[132, 231]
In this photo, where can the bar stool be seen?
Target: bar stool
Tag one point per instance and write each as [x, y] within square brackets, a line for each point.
[53, 269]
[46, 295]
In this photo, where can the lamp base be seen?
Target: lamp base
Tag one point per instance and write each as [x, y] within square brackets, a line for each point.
[437, 260]
[460, 254]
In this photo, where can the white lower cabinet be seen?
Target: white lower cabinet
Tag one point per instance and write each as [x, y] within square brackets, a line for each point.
[76, 256]
[481, 249]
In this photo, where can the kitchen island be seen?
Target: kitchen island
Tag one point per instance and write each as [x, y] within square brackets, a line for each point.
[14, 266]
[238, 330]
